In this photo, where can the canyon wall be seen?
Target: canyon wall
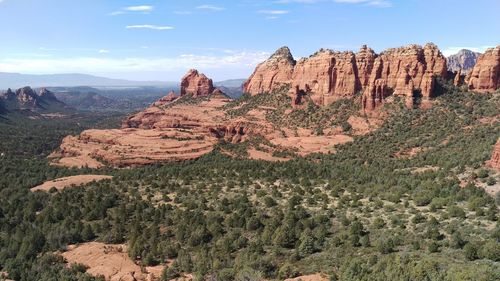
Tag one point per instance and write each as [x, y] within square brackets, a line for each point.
[327, 76]
[485, 76]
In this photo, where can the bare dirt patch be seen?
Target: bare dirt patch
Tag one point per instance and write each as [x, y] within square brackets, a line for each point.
[312, 144]
[110, 261]
[410, 152]
[262, 155]
[311, 277]
[62, 183]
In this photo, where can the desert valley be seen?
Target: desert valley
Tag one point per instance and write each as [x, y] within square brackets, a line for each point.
[341, 165]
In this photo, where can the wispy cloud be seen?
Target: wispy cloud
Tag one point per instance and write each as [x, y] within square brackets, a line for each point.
[274, 12]
[144, 9]
[183, 13]
[104, 51]
[149, 26]
[212, 8]
[453, 50]
[227, 61]
[375, 3]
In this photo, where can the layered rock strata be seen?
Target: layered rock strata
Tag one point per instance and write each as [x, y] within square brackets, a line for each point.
[485, 76]
[327, 76]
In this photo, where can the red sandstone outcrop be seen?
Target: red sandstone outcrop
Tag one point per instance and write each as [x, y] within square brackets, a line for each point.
[170, 97]
[196, 84]
[495, 156]
[408, 71]
[327, 75]
[457, 81]
[272, 73]
[485, 76]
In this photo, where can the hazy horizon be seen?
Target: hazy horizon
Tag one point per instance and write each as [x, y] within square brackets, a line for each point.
[161, 40]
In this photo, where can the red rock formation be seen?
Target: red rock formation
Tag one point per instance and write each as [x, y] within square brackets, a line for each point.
[272, 73]
[406, 71]
[166, 99]
[196, 84]
[495, 156]
[485, 76]
[327, 75]
[26, 96]
[457, 81]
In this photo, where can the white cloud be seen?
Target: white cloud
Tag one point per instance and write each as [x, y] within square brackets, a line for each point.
[376, 3]
[453, 50]
[144, 9]
[149, 26]
[226, 61]
[210, 8]
[104, 51]
[274, 12]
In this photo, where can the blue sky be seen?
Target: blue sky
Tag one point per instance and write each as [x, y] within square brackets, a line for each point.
[160, 40]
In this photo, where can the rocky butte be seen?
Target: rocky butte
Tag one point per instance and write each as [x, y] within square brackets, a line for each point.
[327, 76]
[196, 84]
[190, 125]
[485, 76]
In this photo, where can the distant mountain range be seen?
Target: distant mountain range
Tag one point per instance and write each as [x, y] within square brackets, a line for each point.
[464, 61]
[28, 100]
[17, 80]
[109, 99]
[232, 87]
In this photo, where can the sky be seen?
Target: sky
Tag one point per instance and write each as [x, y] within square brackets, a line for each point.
[161, 39]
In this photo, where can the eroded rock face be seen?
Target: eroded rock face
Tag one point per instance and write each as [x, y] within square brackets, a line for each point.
[408, 71]
[326, 76]
[495, 156]
[196, 84]
[457, 81]
[462, 61]
[272, 73]
[485, 76]
[47, 95]
[27, 97]
[170, 97]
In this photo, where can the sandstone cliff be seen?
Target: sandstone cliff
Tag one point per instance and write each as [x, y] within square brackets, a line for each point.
[272, 73]
[485, 76]
[495, 156]
[196, 84]
[326, 76]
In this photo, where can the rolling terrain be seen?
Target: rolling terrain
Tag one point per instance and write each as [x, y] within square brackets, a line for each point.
[339, 166]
